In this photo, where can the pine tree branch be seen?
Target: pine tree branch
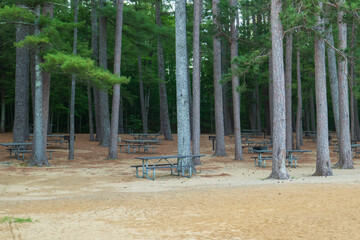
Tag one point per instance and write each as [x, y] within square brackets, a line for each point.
[337, 50]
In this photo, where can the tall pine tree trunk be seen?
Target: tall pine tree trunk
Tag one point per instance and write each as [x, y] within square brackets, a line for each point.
[21, 117]
[121, 116]
[299, 107]
[39, 151]
[354, 115]
[182, 90]
[312, 111]
[219, 112]
[143, 102]
[196, 130]
[323, 164]
[103, 94]
[164, 112]
[116, 90]
[73, 83]
[271, 95]
[333, 74]
[279, 134]
[345, 161]
[235, 85]
[288, 91]
[95, 55]
[47, 10]
[91, 120]
[2, 121]
[258, 115]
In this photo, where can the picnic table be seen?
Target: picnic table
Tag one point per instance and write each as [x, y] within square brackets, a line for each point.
[57, 139]
[244, 136]
[260, 160]
[138, 144]
[355, 149]
[293, 156]
[164, 162]
[16, 147]
[145, 136]
[253, 132]
[251, 145]
[21, 148]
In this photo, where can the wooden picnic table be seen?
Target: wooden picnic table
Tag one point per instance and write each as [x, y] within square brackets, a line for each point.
[137, 144]
[293, 156]
[168, 164]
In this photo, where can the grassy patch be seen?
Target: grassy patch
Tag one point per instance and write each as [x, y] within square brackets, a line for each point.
[15, 220]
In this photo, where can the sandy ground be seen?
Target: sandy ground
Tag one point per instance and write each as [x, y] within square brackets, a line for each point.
[94, 198]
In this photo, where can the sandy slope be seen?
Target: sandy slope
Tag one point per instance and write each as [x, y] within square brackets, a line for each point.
[93, 198]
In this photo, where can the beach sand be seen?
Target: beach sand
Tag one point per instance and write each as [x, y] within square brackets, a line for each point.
[93, 198]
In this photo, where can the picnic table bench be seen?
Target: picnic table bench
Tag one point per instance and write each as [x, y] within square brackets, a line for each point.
[57, 139]
[21, 148]
[355, 149]
[168, 164]
[30, 151]
[293, 156]
[137, 145]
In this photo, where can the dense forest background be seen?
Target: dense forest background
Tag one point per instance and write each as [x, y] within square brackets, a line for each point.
[140, 33]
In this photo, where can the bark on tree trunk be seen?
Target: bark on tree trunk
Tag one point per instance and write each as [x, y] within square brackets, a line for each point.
[299, 107]
[73, 84]
[227, 113]
[345, 154]
[91, 121]
[265, 92]
[113, 149]
[182, 90]
[144, 109]
[354, 117]
[2, 124]
[21, 116]
[258, 115]
[288, 91]
[235, 85]
[271, 95]
[47, 10]
[97, 114]
[323, 163]
[279, 134]
[333, 75]
[196, 130]
[312, 111]
[103, 94]
[164, 112]
[95, 55]
[39, 153]
[219, 112]
[121, 116]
